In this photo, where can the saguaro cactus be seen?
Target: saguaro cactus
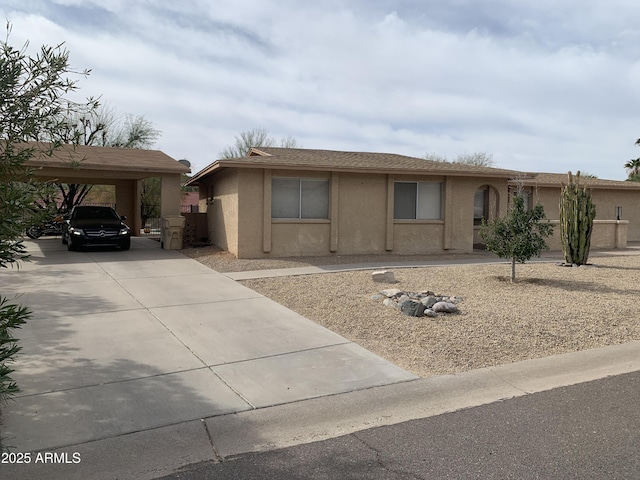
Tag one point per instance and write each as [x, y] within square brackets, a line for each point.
[577, 212]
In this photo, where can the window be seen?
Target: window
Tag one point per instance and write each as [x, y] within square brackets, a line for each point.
[299, 198]
[417, 200]
[480, 205]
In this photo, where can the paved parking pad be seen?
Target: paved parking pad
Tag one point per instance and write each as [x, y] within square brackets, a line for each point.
[124, 342]
[64, 298]
[81, 350]
[223, 333]
[309, 374]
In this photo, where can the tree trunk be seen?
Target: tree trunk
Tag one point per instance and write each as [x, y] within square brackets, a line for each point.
[513, 270]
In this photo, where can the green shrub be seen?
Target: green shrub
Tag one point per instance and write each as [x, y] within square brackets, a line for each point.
[12, 316]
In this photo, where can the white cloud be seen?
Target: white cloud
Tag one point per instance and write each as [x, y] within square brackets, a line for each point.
[542, 86]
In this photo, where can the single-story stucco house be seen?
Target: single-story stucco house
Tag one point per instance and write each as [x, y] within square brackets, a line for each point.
[278, 202]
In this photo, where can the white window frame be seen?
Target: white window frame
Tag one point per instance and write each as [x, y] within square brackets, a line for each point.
[421, 215]
[301, 181]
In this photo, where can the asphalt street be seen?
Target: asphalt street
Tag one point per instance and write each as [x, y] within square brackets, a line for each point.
[585, 431]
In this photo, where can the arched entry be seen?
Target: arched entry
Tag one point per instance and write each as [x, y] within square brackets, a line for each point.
[486, 203]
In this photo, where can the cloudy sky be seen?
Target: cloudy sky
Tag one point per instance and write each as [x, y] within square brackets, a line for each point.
[550, 85]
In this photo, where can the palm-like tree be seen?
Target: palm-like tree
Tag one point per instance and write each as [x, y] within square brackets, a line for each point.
[633, 167]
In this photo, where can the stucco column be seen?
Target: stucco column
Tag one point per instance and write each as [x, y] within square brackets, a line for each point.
[621, 233]
[266, 212]
[389, 220]
[172, 222]
[335, 203]
[126, 196]
[136, 221]
[447, 214]
[170, 195]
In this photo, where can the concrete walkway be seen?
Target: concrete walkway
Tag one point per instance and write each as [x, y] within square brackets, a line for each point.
[123, 342]
[484, 258]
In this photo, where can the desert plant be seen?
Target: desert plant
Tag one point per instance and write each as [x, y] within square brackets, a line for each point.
[577, 212]
[519, 235]
[11, 317]
[33, 90]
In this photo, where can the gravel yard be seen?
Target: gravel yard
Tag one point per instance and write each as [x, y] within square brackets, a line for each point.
[550, 310]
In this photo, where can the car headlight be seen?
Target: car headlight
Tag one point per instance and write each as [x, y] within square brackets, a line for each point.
[75, 231]
[124, 231]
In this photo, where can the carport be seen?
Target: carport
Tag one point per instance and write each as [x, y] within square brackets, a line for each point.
[123, 167]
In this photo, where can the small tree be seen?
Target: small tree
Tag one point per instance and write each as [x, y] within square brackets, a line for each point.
[33, 92]
[519, 235]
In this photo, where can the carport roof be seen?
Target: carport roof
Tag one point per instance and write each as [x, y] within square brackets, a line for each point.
[112, 162]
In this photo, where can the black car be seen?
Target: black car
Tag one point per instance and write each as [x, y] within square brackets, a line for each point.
[95, 226]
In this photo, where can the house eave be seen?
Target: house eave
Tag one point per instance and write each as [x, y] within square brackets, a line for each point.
[220, 164]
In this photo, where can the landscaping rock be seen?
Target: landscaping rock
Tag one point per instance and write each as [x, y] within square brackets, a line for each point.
[429, 301]
[412, 308]
[383, 276]
[391, 292]
[445, 307]
[387, 302]
[402, 298]
[424, 303]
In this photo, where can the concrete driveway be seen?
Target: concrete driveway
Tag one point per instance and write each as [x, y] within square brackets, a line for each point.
[123, 342]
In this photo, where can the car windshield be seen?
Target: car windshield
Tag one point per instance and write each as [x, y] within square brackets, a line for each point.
[95, 214]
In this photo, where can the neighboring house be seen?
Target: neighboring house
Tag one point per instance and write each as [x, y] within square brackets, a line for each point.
[617, 206]
[286, 202]
[189, 202]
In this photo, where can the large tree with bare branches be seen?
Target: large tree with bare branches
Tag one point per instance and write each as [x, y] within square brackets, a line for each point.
[256, 137]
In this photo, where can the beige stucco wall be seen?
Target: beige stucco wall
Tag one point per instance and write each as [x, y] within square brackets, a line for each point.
[417, 238]
[362, 208]
[460, 209]
[222, 209]
[361, 219]
[250, 211]
[127, 198]
[299, 239]
[606, 234]
[605, 200]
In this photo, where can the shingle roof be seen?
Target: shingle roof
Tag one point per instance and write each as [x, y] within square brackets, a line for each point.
[558, 179]
[110, 158]
[306, 159]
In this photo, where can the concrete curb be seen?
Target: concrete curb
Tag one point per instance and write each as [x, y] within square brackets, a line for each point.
[328, 417]
[152, 453]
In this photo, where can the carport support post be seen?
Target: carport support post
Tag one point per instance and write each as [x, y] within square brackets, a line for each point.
[128, 201]
[170, 202]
